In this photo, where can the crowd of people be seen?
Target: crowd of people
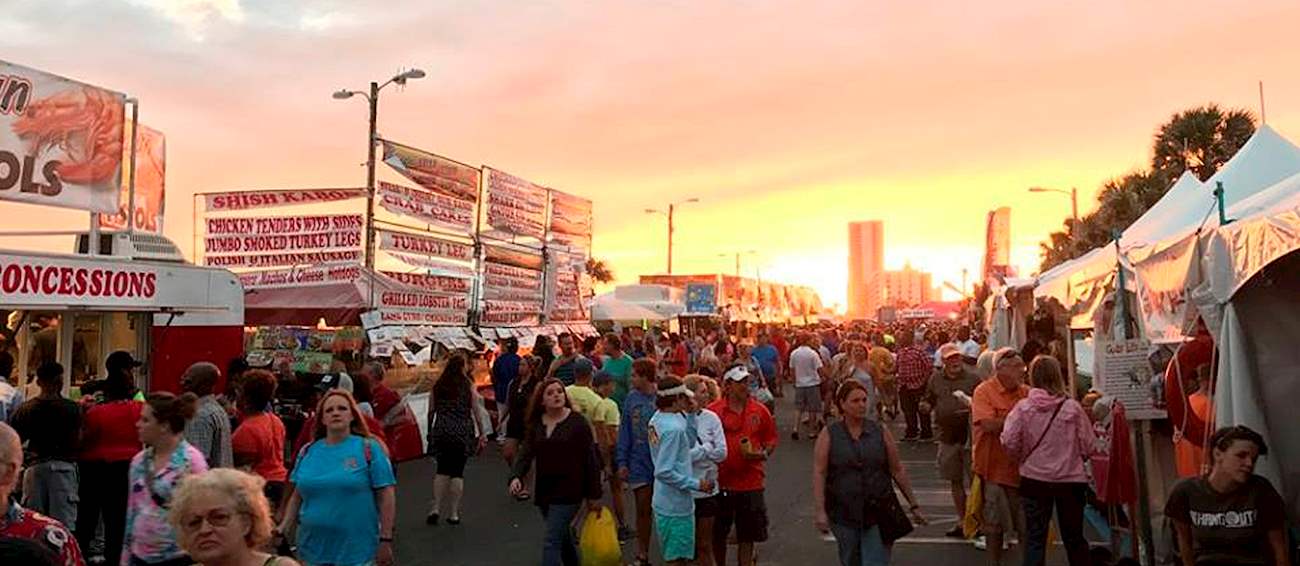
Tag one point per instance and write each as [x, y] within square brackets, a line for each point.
[670, 433]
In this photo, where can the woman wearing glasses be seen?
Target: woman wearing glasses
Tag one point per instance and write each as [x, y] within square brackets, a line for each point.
[223, 518]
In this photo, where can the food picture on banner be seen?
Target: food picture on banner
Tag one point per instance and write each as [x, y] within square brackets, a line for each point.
[150, 183]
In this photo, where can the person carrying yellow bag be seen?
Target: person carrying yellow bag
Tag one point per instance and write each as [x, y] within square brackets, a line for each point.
[598, 540]
[970, 523]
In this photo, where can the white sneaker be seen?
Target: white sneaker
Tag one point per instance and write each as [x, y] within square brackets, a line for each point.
[980, 543]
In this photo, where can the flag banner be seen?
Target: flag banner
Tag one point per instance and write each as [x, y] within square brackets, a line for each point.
[277, 260]
[150, 183]
[424, 245]
[997, 244]
[428, 207]
[438, 174]
[271, 198]
[61, 141]
[513, 257]
[283, 225]
[514, 205]
[434, 266]
[300, 276]
[431, 283]
[570, 216]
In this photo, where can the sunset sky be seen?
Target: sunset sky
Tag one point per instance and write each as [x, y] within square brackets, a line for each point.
[786, 119]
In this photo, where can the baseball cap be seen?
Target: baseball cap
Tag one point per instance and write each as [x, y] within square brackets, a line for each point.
[947, 350]
[121, 359]
[340, 381]
[738, 373]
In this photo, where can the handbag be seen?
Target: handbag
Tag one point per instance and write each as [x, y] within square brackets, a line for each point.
[892, 520]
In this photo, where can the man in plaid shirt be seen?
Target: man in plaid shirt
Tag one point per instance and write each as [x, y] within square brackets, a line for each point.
[914, 369]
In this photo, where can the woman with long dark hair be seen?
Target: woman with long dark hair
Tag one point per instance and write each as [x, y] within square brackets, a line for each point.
[155, 473]
[454, 436]
[855, 467]
[1050, 435]
[561, 443]
[344, 492]
[1230, 515]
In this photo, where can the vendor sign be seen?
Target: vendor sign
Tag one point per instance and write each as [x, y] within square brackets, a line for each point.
[150, 180]
[433, 172]
[271, 198]
[514, 205]
[35, 280]
[275, 260]
[514, 257]
[701, 298]
[61, 141]
[424, 245]
[570, 219]
[404, 308]
[1124, 373]
[300, 276]
[428, 207]
[431, 283]
[435, 266]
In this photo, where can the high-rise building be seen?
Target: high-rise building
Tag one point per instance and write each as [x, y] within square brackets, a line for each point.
[866, 263]
[907, 287]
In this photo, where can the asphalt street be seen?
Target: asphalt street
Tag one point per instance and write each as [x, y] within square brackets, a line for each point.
[497, 530]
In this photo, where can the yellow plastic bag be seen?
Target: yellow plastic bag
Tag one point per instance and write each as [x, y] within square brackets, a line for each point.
[598, 540]
[970, 523]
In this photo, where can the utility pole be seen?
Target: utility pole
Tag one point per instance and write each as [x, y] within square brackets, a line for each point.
[671, 207]
[370, 179]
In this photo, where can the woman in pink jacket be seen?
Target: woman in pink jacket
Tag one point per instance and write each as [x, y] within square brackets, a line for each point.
[1050, 435]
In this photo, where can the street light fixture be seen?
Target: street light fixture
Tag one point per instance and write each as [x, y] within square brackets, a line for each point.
[1073, 193]
[738, 254]
[373, 99]
[671, 209]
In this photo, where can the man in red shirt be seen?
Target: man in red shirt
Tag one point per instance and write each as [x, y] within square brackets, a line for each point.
[751, 438]
[21, 523]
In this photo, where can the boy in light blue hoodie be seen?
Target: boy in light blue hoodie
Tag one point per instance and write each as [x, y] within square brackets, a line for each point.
[671, 439]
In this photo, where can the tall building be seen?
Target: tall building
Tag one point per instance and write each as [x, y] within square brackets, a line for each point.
[866, 264]
[907, 287]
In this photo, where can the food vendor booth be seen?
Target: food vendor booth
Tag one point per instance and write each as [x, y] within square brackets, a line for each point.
[76, 309]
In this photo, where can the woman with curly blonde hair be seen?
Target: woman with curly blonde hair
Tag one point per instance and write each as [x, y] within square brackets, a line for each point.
[223, 518]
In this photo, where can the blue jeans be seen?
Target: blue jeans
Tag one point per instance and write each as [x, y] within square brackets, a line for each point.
[560, 549]
[860, 547]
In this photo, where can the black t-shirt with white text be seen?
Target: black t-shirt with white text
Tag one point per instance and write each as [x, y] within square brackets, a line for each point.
[1228, 528]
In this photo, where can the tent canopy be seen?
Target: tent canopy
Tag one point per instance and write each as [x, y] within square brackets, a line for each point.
[609, 307]
[340, 302]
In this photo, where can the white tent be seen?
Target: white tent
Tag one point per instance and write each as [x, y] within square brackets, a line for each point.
[1171, 211]
[607, 307]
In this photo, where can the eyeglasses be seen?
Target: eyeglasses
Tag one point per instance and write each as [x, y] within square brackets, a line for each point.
[218, 518]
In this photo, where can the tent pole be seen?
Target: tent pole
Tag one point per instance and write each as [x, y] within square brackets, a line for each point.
[1143, 427]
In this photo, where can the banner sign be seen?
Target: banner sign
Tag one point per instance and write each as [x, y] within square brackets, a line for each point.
[431, 283]
[435, 266]
[490, 318]
[564, 293]
[246, 200]
[701, 298]
[997, 244]
[37, 280]
[150, 183]
[300, 276]
[508, 256]
[570, 215]
[60, 141]
[514, 205]
[1125, 374]
[438, 174]
[512, 306]
[418, 317]
[277, 260]
[405, 308]
[425, 245]
[431, 208]
[283, 225]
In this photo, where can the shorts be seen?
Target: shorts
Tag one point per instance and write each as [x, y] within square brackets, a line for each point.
[808, 399]
[676, 536]
[1002, 511]
[706, 507]
[954, 462]
[747, 511]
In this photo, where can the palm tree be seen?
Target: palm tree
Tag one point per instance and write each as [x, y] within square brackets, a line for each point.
[1201, 139]
[599, 271]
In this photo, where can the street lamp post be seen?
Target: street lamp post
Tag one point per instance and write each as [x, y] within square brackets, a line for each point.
[672, 207]
[1073, 193]
[738, 254]
[373, 98]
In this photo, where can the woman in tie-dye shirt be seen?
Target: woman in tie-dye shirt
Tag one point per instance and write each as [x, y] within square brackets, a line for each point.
[155, 472]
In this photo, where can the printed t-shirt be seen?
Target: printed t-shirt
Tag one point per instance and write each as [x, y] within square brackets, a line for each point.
[338, 522]
[1228, 528]
[991, 462]
[620, 369]
[260, 437]
[755, 423]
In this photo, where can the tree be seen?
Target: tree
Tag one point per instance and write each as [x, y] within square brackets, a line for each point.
[599, 271]
[1200, 139]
